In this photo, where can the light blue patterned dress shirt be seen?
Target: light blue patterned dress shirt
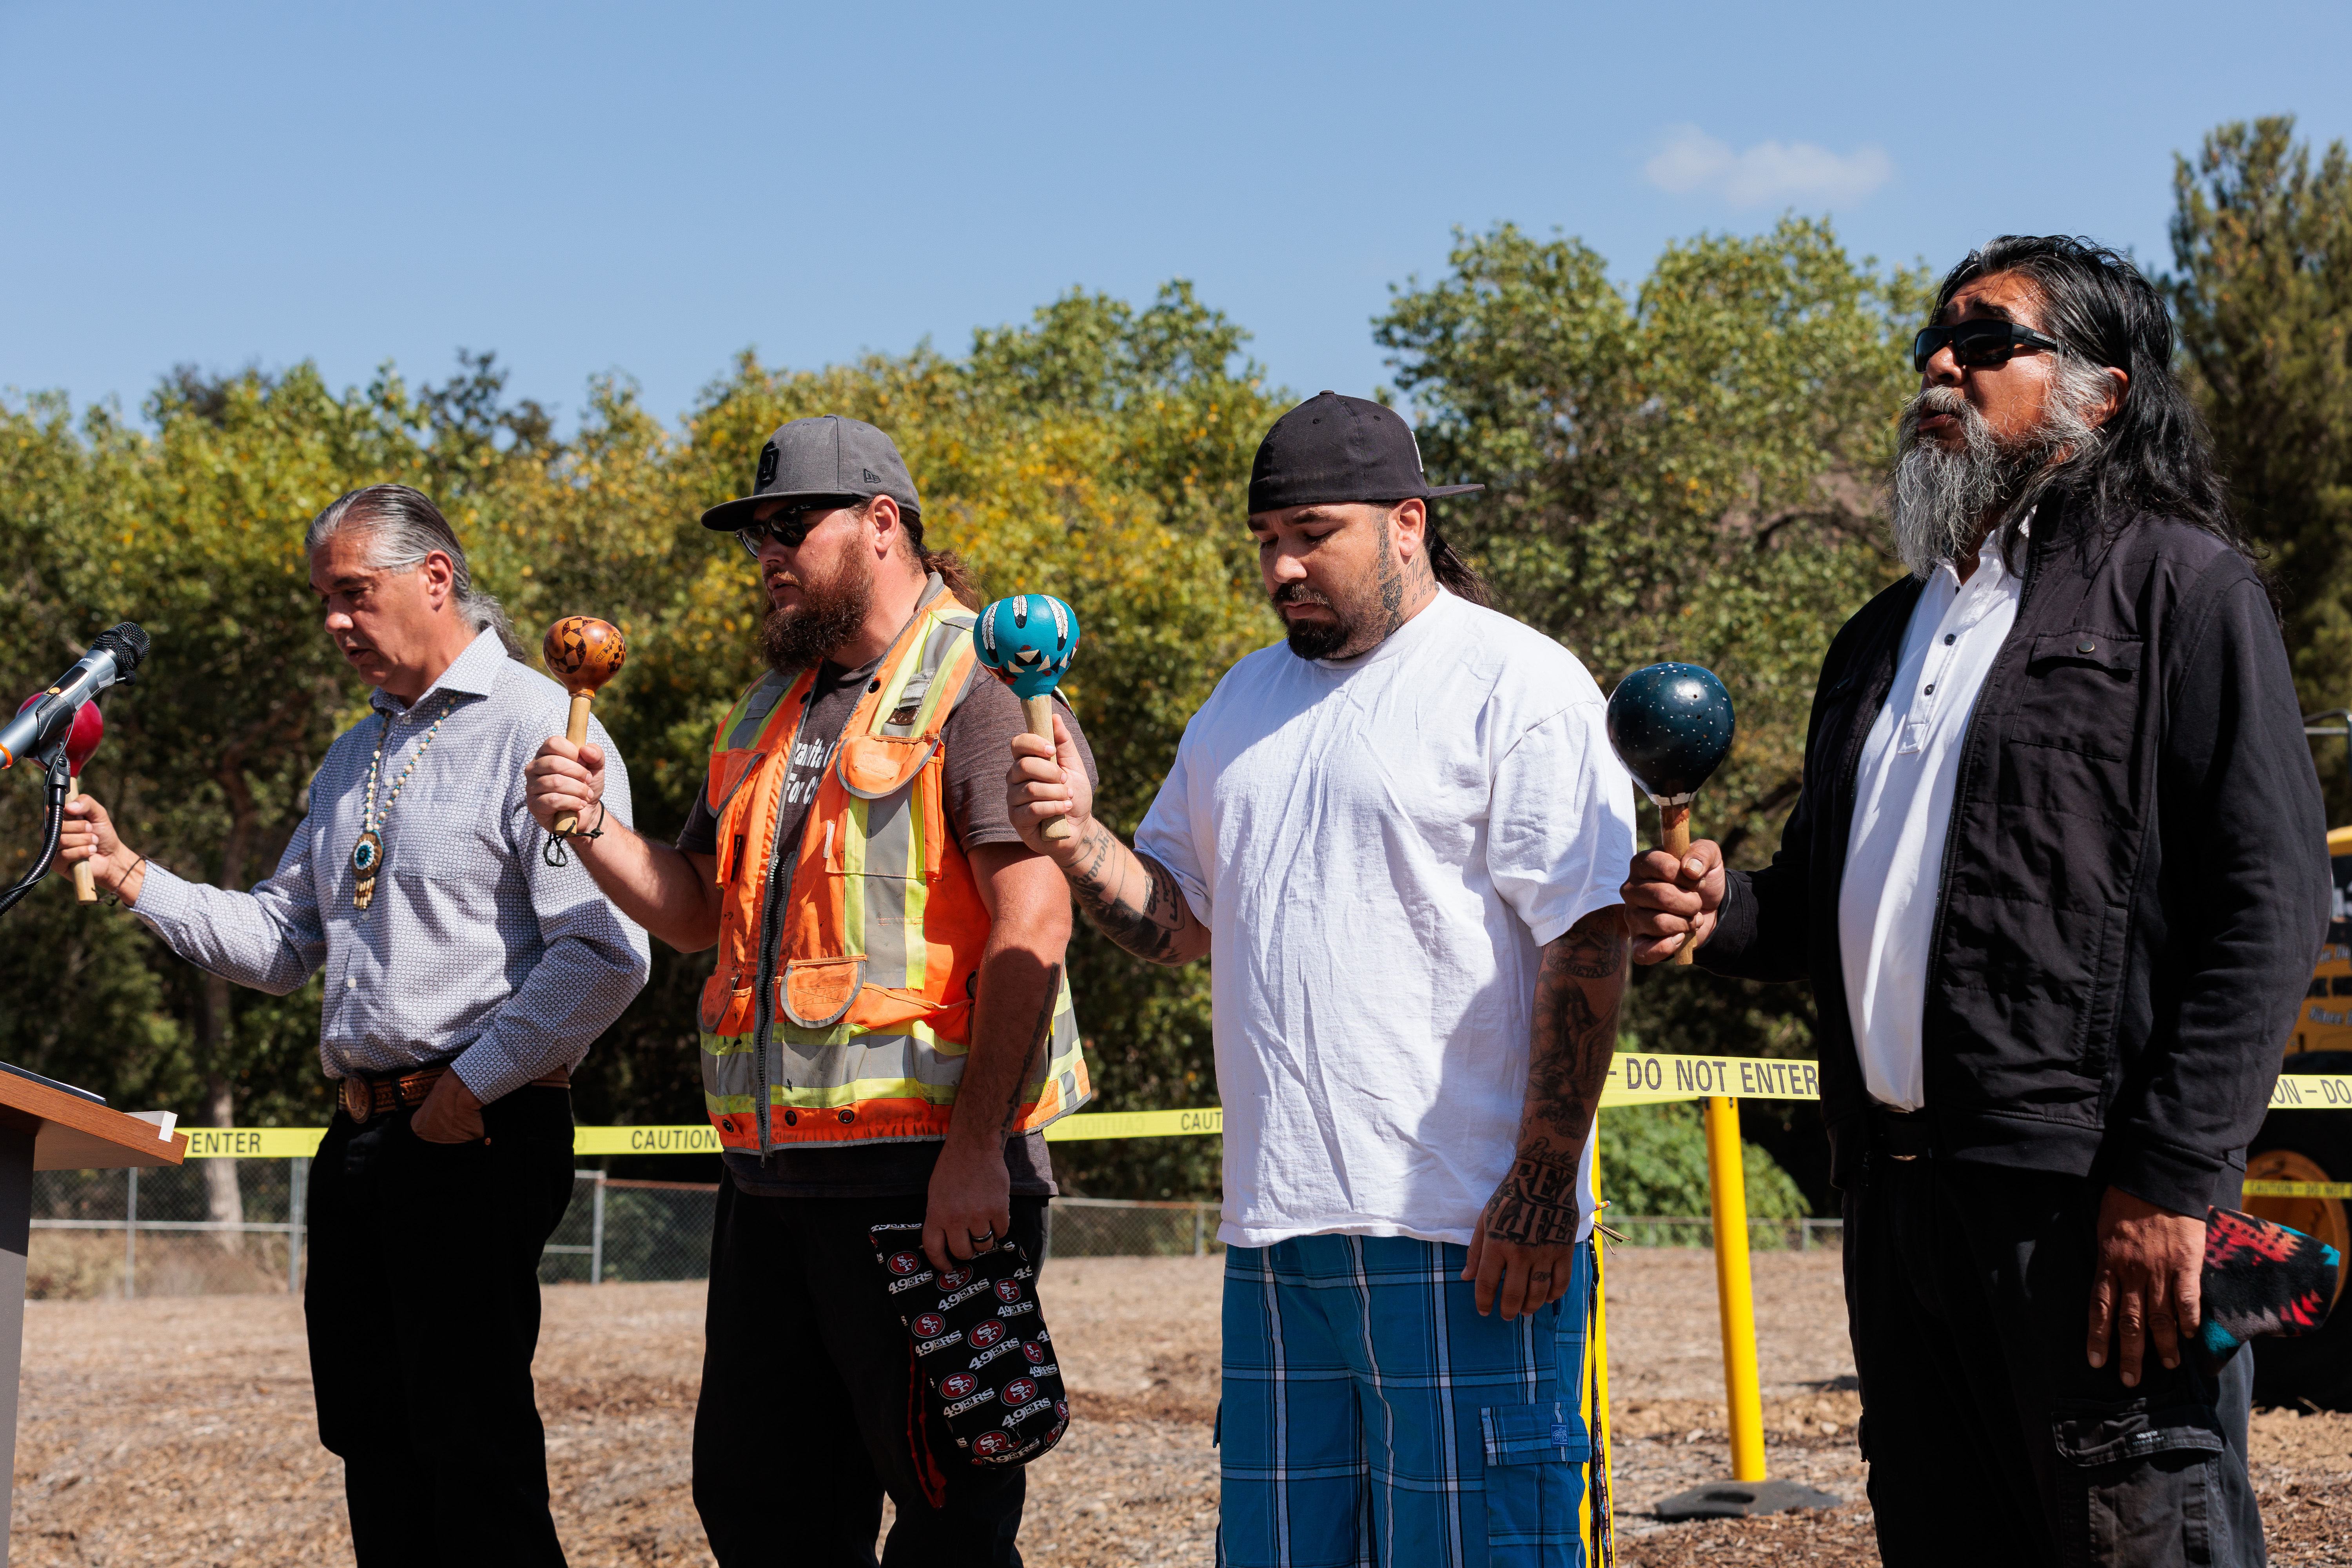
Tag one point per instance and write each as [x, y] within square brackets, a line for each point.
[474, 950]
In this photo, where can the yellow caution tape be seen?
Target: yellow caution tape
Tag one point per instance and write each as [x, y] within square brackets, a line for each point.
[1649, 1077]
[699, 1139]
[2311, 1091]
[253, 1142]
[1087, 1125]
[2299, 1189]
[1635, 1078]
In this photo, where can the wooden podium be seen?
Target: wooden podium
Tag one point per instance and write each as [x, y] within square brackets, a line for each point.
[43, 1128]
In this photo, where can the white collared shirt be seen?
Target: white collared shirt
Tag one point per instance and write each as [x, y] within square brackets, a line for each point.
[1903, 809]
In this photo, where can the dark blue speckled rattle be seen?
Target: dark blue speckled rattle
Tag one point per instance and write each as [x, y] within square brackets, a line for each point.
[1671, 725]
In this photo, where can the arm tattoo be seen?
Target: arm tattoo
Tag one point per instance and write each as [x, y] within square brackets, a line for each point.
[1578, 989]
[1039, 1054]
[1145, 921]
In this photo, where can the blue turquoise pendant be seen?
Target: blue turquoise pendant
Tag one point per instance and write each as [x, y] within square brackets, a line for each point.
[367, 855]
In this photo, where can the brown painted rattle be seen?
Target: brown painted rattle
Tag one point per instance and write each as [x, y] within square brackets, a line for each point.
[584, 653]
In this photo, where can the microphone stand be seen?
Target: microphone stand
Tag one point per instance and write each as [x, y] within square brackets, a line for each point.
[53, 823]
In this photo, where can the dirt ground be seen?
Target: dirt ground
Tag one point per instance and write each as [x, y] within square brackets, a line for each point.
[179, 1431]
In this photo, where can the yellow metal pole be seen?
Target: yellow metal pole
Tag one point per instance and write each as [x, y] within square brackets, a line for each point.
[1735, 1294]
[1600, 1545]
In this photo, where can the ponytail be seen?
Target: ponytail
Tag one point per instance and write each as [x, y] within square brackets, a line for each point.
[953, 572]
[1457, 576]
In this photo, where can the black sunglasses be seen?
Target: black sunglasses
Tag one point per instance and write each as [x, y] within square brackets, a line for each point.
[790, 525]
[1979, 343]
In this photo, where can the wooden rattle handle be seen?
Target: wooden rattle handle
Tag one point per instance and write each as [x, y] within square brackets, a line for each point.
[577, 734]
[85, 880]
[1674, 831]
[1039, 711]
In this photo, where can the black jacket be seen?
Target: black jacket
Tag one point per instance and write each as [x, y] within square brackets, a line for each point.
[2133, 886]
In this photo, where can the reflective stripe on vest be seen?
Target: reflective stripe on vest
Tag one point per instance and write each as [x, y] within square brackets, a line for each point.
[879, 938]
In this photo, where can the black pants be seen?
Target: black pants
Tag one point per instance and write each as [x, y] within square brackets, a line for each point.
[810, 1409]
[422, 1305]
[1991, 1438]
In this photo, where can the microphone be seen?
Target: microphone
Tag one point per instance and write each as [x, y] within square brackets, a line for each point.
[111, 660]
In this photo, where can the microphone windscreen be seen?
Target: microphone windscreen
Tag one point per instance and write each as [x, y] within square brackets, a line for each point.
[127, 643]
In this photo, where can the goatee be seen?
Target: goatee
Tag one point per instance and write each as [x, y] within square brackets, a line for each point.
[1311, 640]
[829, 615]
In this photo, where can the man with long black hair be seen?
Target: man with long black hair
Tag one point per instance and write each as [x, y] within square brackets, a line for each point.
[2055, 874]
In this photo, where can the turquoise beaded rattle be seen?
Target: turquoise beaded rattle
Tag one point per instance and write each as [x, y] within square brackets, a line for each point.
[1027, 641]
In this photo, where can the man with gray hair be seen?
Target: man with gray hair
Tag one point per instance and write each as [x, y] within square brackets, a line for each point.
[2056, 875]
[469, 966]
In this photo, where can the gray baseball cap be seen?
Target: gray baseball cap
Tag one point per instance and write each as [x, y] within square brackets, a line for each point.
[826, 455]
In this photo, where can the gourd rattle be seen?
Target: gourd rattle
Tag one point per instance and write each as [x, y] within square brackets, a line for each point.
[584, 653]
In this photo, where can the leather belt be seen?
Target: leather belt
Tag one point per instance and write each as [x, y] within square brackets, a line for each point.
[1903, 1135]
[364, 1097]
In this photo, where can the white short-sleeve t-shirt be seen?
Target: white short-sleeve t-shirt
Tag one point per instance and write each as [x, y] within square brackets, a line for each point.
[1379, 847]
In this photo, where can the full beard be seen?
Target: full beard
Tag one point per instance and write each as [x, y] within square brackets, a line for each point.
[1313, 639]
[1939, 499]
[828, 616]
[1940, 503]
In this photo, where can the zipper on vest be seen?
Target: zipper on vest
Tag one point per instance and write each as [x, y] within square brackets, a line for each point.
[763, 1001]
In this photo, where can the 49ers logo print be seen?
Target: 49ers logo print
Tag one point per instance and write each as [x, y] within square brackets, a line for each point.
[982, 1334]
[1020, 1391]
[930, 1325]
[1036, 1355]
[955, 1279]
[1008, 1291]
[957, 1386]
[904, 1263]
[992, 1442]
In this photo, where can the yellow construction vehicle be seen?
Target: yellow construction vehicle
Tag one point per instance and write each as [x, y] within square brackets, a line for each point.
[2315, 1146]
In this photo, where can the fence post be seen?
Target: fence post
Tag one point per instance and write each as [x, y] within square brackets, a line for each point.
[298, 1172]
[1200, 1230]
[596, 1235]
[130, 1234]
[1727, 1180]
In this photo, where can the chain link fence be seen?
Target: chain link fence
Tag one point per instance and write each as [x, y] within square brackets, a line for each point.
[1763, 1234]
[127, 1234]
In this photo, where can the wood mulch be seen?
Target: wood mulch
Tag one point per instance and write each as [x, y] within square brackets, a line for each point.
[180, 1431]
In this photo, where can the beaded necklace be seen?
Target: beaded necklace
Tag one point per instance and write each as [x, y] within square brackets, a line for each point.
[367, 855]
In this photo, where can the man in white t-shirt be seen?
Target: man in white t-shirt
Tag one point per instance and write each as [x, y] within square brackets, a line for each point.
[1397, 837]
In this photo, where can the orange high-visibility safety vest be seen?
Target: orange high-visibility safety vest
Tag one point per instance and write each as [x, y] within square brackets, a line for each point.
[847, 963]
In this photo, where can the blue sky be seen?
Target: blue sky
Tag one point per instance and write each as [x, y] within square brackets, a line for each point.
[650, 189]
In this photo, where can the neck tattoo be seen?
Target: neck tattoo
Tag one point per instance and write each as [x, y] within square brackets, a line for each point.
[367, 854]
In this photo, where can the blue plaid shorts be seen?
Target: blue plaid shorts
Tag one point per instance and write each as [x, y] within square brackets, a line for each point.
[1372, 1419]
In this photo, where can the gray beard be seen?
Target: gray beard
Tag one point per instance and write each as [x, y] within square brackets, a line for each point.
[1937, 499]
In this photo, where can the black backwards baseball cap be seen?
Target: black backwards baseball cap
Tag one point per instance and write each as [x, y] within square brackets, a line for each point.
[826, 455]
[1332, 449]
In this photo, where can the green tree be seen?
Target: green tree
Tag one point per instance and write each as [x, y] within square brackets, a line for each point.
[2263, 239]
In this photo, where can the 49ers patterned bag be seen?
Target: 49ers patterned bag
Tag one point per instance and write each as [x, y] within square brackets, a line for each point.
[980, 1343]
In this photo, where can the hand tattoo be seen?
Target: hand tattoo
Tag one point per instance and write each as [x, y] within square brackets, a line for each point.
[1537, 1202]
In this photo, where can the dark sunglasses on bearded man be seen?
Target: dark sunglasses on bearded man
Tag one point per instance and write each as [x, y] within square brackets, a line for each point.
[1979, 343]
[791, 523]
